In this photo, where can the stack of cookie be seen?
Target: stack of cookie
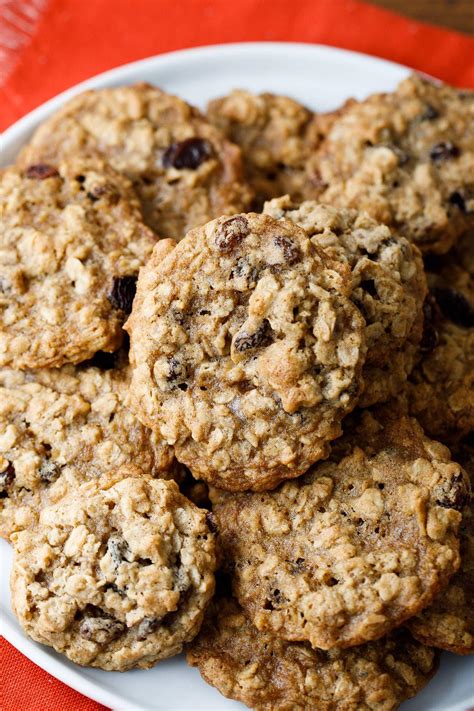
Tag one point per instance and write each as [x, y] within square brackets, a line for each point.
[300, 357]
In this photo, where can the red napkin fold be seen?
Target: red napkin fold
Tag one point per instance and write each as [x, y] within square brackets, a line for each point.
[46, 47]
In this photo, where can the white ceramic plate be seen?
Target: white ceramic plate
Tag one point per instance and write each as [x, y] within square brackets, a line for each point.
[322, 78]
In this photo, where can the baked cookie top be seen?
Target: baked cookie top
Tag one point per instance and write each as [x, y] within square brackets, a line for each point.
[184, 170]
[117, 575]
[71, 243]
[407, 158]
[61, 427]
[388, 285]
[276, 135]
[448, 622]
[356, 546]
[271, 674]
[440, 390]
[246, 350]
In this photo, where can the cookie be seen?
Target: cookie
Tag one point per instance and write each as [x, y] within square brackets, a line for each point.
[358, 545]
[277, 138]
[71, 243]
[246, 350]
[449, 622]
[440, 391]
[407, 158]
[184, 170]
[388, 286]
[115, 576]
[62, 427]
[270, 674]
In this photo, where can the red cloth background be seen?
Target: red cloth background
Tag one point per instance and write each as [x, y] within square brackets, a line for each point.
[76, 39]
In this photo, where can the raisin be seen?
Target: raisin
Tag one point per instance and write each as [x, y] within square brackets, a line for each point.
[454, 306]
[115, 588]
[457, 496]
[457, 199]
[243, 269]
[211, 522]
[123, 293]
[231, 233]
[49, 471]
[100, 629]
[298, 566]
[261, 337]
[118, 549]
[176, 370]
[146, 627]
[41, 171]
[291, 251]
[6, 479]
[430, 113]
[444, 151]
[187, 154]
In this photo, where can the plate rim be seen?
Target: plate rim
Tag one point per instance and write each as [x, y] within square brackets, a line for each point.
[30, 119]
[44, 656]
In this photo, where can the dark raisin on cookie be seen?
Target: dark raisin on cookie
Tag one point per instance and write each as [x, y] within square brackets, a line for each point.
[457, 496]
[6, 479]
[123, 292]
[118, 550]
[211, 522]
[231, 233]
[261, 337]
[187, 154]
[41, 171]
[146, 627]
[291, 251]
[100, 629]
[444, 151]
[49, 471]
[454, 306]
[176, 369]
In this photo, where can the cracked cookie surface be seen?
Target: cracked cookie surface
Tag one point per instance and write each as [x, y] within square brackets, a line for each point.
[62, 427]
[440, 391]
[246, 350]
[407, 158]
[115, 576]
[388, 286]
[449, 622]
[276, 136]
[71, 243]
[184, 171]
[356, 546]
[271, 674]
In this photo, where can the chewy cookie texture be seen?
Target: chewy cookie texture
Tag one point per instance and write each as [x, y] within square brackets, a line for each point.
[117, 575]
[270, 674]
[70, 238]
[62, 427]
[183, 169]
[388, 287]
[277, 136]
[246, 350]
[297, 370]
[357, 546]
[406, 158]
